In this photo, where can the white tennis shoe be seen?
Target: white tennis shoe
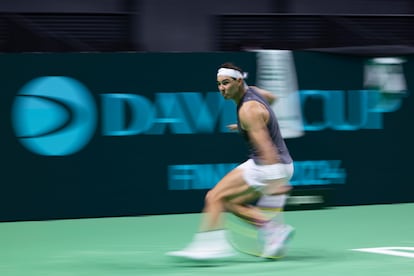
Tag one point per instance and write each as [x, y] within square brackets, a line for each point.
[206, 246]
[275, 238]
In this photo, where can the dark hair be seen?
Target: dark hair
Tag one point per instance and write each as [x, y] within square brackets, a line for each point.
[230, 65]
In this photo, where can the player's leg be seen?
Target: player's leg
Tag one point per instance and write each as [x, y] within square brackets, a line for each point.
[259, 229]
[270, 196]
[276, 233]
[267, 215]
[232, 193]
[243, 207]
[211, 241]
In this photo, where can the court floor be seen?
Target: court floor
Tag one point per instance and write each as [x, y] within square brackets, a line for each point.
[324, 245]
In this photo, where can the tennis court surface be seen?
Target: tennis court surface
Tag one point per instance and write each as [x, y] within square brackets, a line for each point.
[324, 244]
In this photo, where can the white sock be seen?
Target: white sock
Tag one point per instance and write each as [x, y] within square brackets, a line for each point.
[212, 236]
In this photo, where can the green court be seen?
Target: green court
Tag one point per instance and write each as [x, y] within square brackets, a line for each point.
[323, 245]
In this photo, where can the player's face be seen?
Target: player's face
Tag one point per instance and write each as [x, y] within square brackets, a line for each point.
[228, 86]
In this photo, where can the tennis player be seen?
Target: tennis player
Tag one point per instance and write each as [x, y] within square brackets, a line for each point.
[263, 178]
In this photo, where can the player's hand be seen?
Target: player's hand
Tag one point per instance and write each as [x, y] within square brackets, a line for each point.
[232, 127]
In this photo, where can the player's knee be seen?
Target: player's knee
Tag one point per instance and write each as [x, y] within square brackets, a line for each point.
[212, 197]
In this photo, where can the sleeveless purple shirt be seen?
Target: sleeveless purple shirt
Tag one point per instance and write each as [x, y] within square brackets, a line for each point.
[272, 126]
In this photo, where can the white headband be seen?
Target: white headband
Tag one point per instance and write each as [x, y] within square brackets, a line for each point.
[231, 73]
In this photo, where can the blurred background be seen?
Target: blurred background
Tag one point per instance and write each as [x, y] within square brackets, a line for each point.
[187, 25]
[110, 107]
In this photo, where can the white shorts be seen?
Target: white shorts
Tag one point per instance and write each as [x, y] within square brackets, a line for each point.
[251, 176]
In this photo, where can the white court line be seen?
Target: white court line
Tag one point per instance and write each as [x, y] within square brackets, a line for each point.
[393, 251]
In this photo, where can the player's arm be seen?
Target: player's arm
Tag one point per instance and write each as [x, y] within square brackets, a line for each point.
[267, 95]
[253, 118]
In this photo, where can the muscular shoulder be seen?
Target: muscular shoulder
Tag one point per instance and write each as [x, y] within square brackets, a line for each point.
[252, 113]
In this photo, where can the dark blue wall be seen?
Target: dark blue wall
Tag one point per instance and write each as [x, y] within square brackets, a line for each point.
[129, 174]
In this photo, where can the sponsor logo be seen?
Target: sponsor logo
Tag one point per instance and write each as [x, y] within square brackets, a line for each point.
[54, 116]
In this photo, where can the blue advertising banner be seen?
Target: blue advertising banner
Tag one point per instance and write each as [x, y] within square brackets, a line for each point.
[99, 134]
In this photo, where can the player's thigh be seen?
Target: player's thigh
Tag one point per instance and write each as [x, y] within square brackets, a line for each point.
[231, 185]
[248, 196]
